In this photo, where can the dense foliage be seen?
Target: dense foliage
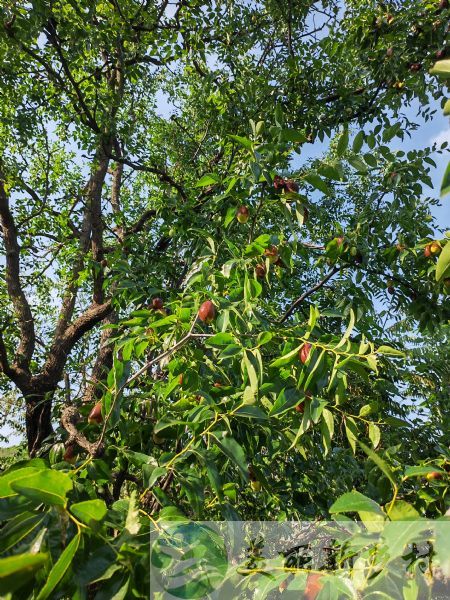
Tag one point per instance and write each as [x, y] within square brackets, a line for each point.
[223, 292]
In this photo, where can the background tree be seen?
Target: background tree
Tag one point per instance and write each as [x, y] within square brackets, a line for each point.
[131, 135]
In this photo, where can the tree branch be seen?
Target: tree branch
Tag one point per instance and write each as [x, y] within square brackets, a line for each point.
[64, 343]
[15, 291]
[308, 293]
[160, 173]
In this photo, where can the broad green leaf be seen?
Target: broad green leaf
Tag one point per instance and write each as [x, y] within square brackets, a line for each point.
[342, 144]
[351, 431]
[155, 475]
[348, 331]
[374, 435]
[358, 164]
[132, 523]
[446, 108]
[19, 528]
[287, 358]
[220, 339]
[89, 510]
[388, 351]
[251, 371]
[243, 141]
[381, 464]
[209, 179]
[420, 471]
[358, 142]
[212, 472]
[327, 428]
[230, 351]
[251, 412]
[443, 262]
[355, 502]
[441, 69]
[403, 511]
[227, 267]
[166, 321]
[396, 422]
[13, 475]
[15, 571]
[287, 399]
[445, 185]
[318, 183]
[316, 407]
[248, 397]
[60, 567]
[264, 338]
[49, 487]
[232, 450]
[322, 357]
[292, 135]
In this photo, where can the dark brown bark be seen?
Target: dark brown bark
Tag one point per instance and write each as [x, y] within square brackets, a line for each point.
[38, 419]
[12, 272]
[103, 361]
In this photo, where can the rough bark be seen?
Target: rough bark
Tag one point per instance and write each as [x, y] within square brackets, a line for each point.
[12, 274]
[38, 419]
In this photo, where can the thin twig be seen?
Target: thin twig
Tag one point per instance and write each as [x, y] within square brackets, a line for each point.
[308, 293]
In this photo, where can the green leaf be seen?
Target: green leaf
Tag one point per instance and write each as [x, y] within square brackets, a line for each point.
[49, 487]
[220, 339]
[15, 571]
[89, 510]
[208, 179]
[243, 141]
[447, 108]
[441, 69]
[318, 183]
[381, 464]
[396, 422]
[251, 371]
[342, 144]
[251, 412]
[59, 569]
[358, 142]
[156, 474]
[443, 262]
[445, 185]
[420, 471]
[348, 331]
[351, 431]
[403, 511]
[232, 450]
[355, 502]
[374, 435]
[264, 338]
[10, 476]
[388, 351]
[327, 428]
[292, 135]
[132, 522]
[287, 399]
[358, 164]
[212, 472]
[230, 351]
[19, 528]
[227, 267]
[287, 358]
[322, 357]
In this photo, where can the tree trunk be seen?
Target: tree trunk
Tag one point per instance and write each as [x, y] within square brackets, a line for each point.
[38, 419]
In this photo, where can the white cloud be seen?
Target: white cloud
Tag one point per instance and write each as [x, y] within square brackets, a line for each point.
[440, 138]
